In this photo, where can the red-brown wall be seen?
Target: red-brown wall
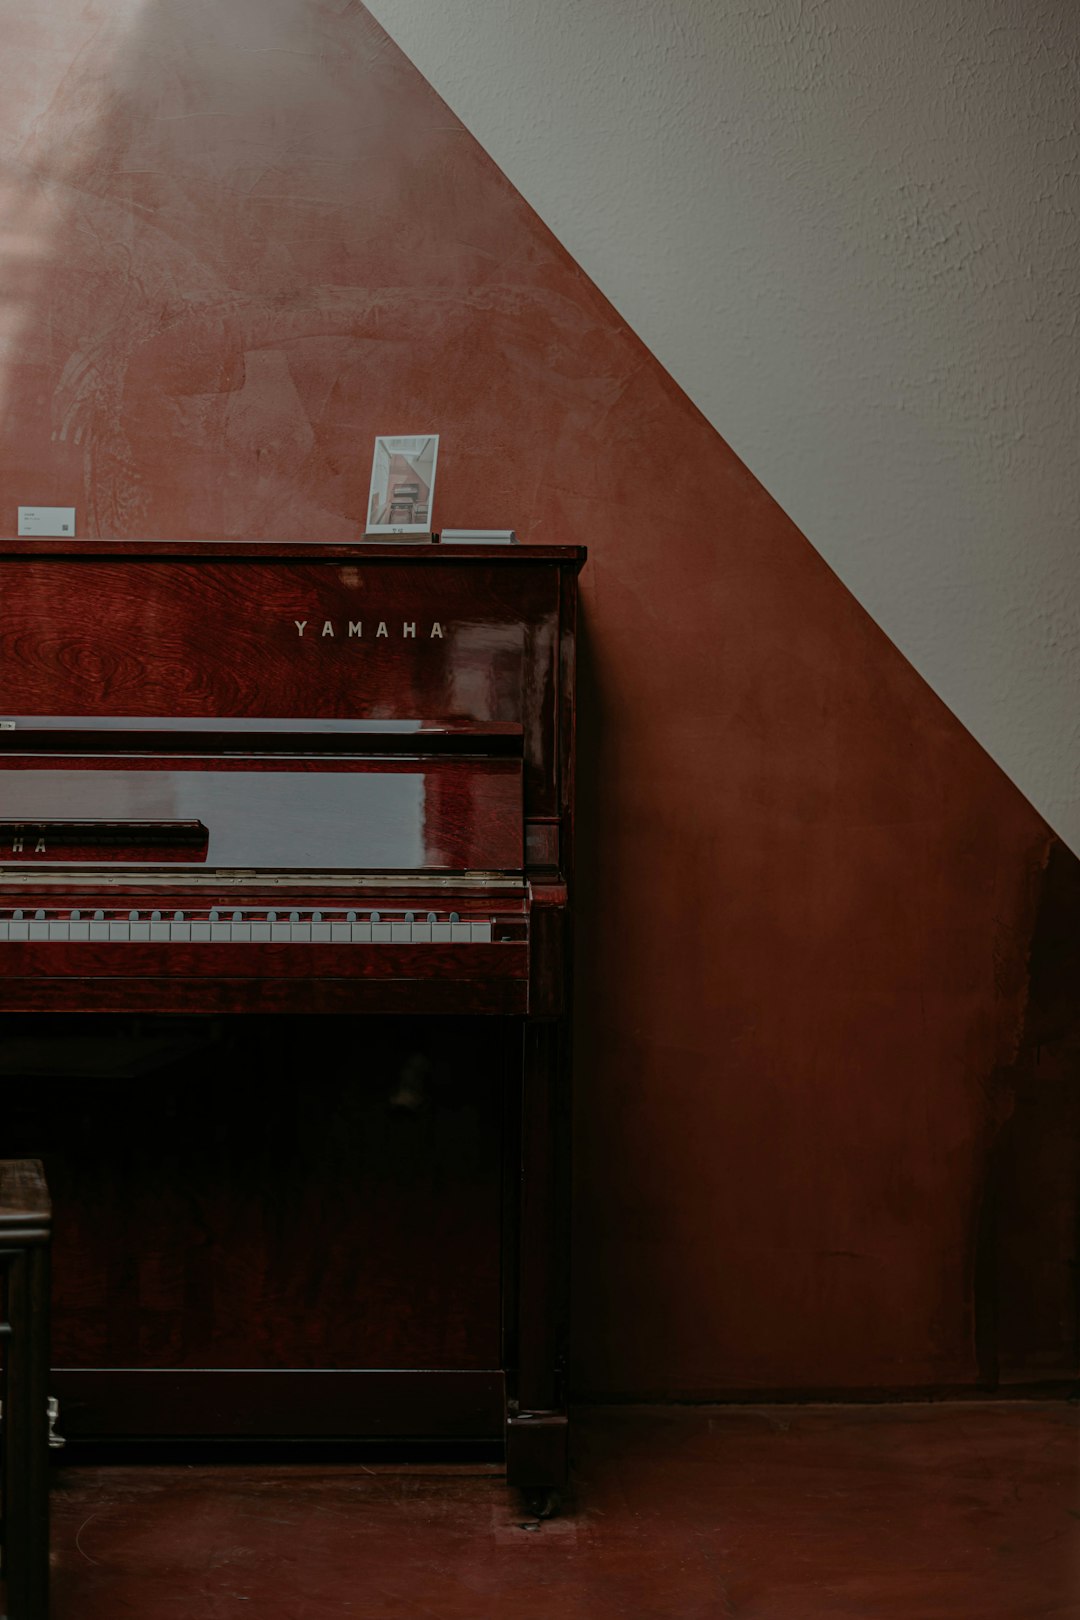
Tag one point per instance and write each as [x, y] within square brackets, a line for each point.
[827, 1116]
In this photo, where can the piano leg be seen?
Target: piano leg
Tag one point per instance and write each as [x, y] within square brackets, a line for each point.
[537, 1424]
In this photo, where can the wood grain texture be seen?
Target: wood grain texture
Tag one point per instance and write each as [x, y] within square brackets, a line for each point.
[212, 993]
[40, 962]
[265, 1194]
[151, 636]
[301, 1255]
[366, 1404]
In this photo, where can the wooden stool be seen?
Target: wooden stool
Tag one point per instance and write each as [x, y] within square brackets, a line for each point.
[25, 1234]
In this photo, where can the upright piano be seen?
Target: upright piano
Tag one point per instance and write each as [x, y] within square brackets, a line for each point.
[286, 847]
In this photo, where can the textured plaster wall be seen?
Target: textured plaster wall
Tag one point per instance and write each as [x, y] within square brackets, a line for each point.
[849, 230]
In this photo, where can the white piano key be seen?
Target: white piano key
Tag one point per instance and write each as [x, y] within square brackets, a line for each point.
[241, 933]
[220, 933]
[200, 933]
[281, 931]
[19, 930]
[260, 933]
[461, 933]
[300, 933]
[59, 931]
[320, 933]
[180, 933]
[140, 930]
[158, 931]
[39, 930]
[380, 933]
[481, 933]
[401, 933]
[440, 933]
[361, 933]
[78, 931]
[3, 930]
[341, 933]
[421, 933]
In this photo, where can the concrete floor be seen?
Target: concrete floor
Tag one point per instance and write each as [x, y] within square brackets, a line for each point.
[922, 1512]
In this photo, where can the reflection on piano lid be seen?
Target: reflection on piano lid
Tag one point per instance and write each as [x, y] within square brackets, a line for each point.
[290, 814]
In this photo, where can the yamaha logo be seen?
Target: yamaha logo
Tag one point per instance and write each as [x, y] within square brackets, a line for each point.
[354, 630]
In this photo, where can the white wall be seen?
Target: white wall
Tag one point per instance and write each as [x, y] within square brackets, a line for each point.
[849, 230]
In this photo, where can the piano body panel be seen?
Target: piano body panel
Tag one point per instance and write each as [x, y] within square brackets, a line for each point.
[343, 1405]
[440, 637]
[418, 997]
[211, 979]
[378, 744]
[548, 925]
[238, 1237]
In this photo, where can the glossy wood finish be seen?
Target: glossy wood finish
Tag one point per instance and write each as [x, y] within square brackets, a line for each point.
[396, 815]
[306, 1193]
[25, 1234]
[380, 727]
[356, 635]
[151, 1407]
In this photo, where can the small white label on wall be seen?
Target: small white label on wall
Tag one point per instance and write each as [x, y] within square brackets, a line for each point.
[47, 520]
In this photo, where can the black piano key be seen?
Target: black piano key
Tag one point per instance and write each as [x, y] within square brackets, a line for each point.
[375, 917]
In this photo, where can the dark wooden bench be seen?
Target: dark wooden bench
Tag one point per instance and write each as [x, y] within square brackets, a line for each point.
[25, 1234]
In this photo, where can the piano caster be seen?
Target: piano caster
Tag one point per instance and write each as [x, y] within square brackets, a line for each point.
[542, 1502]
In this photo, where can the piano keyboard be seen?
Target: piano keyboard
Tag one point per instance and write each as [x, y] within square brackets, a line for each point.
[226, 925]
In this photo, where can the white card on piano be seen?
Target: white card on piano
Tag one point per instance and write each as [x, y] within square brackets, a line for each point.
[47, 520]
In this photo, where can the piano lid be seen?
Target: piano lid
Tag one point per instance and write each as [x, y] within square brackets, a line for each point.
[280, 814]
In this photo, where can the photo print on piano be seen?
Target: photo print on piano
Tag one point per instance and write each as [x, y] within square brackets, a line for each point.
[402, 484]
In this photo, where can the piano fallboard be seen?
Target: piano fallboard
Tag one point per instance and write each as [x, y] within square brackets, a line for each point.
[374, 814]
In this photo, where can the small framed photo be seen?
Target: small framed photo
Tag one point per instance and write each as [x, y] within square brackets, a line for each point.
[403, 484]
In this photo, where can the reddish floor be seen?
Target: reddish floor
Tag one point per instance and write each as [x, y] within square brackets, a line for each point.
[768, 1513]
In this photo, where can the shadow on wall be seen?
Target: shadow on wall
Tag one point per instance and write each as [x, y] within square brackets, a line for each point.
[240, 241]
